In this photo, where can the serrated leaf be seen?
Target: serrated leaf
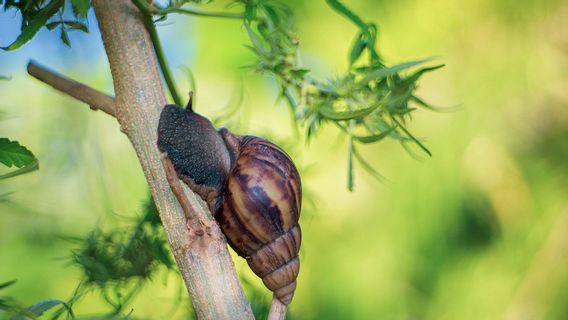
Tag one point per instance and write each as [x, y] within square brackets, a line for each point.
[35, 24]
[14, 154]
[385, 72]
[23, 170]
[81, 7]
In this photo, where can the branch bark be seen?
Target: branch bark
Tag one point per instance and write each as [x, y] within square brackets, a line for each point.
[277, 310]
[204, 261]
[94, 98]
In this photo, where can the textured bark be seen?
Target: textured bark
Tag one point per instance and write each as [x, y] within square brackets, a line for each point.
[199, 248]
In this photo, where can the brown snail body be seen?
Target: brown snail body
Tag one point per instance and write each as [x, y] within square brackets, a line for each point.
[251, 186]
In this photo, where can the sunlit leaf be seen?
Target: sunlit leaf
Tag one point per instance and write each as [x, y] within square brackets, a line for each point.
[331, 114]
[385, 72]
[358, 46]
[375, 137]
[367, 167]
[412, 137]
[34, 165]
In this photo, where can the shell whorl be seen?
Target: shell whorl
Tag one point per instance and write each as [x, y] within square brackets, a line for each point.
[261, 208]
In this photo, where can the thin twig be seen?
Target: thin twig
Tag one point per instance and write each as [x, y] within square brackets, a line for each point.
[176, 187]
[277, 310]
[94, 98]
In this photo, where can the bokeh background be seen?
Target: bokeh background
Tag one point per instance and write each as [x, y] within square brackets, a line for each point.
[478, 231]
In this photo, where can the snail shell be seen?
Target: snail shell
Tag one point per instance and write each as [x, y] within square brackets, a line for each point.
[250, 185]
[261, 208]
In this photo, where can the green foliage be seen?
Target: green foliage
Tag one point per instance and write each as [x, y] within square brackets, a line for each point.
[369, 102]
[16, 311]
[37, 14]
[14, 154]
[120, 255]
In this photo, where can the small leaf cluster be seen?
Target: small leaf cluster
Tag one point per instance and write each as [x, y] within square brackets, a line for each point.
[50, 14]
[112, 256]
[369, 102]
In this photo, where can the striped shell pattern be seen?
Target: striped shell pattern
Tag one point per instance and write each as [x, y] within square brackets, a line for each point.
[261, 208]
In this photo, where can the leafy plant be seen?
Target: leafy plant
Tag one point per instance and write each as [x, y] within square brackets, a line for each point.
[49, 14]
[14, 154]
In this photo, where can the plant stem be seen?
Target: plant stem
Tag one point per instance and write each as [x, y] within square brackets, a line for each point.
[160, 55]
[204, 13]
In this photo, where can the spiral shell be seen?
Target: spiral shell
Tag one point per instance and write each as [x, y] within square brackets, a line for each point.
[261, 208]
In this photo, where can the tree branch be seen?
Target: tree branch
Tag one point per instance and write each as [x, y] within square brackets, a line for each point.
[94, 98]
[277, 310]
[204, 261]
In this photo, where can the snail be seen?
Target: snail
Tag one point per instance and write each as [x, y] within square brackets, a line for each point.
[251, 187]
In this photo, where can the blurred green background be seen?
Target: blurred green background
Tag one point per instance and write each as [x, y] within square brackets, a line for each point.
[478, 231]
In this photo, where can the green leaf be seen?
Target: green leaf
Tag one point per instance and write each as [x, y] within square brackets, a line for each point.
[375, 137]
[53, 25]
[76, 25]
[342, 9]
[428, 106]
[385, 72]
[12, 153]
[25, 169]
[7, 284]
[357, 49]
[346, 115]
[35, 24]
[81, 7]
[412, 137]
[256, 41]
[38, 309]
[64, 37]
[367, 167]
[350, 165]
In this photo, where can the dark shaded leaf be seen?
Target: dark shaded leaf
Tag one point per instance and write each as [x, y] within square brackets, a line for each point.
[7, 284]
[14, 154]
[35, 24]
